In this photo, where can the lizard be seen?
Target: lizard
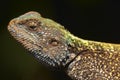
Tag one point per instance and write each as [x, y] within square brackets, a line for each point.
[52, 44]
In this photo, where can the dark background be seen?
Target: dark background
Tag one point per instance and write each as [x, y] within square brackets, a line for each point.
[88, 19]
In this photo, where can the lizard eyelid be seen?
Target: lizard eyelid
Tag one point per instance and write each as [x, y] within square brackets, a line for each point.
[32, 24]
[32, 27]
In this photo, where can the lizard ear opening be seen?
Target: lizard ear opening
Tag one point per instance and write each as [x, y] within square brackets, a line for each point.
[54, 42]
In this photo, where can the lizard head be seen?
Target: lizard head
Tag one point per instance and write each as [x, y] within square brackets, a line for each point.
[47, 40]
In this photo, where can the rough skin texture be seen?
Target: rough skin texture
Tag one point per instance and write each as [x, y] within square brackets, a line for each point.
[51, 44]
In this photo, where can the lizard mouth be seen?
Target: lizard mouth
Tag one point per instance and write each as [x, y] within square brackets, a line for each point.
[29, 41]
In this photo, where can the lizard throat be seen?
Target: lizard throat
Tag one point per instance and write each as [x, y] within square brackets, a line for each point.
[45, 59]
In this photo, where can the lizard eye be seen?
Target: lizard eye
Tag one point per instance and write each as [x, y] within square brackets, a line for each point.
[32, 27]
[31, 24]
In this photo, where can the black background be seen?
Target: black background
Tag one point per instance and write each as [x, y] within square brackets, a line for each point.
[97, 20]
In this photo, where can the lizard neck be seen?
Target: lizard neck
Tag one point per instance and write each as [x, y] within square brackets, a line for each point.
[77, 44]
[93, 46]
[80, 45]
